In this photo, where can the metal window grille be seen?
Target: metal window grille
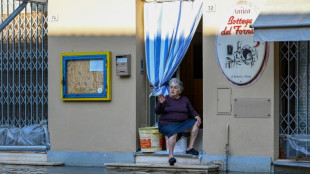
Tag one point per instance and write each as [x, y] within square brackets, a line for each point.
[23, 65]
[294, 99]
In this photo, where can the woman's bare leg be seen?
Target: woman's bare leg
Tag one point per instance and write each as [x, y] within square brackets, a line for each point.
[171, 144]
[194, 133]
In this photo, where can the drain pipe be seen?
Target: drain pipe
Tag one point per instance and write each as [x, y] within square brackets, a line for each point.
[226, 149]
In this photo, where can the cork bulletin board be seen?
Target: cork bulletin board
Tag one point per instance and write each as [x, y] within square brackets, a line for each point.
[85, 76]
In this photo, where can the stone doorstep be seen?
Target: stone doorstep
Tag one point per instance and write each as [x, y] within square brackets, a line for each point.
[163, 153]
[23, 156]
[32, 163]
[162, 158]
[291, 163]
[26, 158]
[159, 167]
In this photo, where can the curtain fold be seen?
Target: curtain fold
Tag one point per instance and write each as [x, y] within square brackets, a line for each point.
[168, 29]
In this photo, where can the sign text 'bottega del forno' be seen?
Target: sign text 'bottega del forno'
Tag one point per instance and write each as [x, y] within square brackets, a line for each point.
[241, 59]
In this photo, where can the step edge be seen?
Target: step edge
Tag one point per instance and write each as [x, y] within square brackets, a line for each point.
[32, 163]
[164, 154]
[187, 170]
[160, 166]
[166, 161]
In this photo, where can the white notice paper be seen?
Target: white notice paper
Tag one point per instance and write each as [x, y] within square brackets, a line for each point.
[96, 65]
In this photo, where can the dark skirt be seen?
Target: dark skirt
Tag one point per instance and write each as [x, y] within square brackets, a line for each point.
[177, 127]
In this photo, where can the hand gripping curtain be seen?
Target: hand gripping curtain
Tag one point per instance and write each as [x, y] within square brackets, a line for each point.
[168, 29]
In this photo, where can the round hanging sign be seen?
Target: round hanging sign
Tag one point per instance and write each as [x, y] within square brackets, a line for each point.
[241, 59]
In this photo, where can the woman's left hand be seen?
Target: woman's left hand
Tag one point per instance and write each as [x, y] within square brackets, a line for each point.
[198, 122]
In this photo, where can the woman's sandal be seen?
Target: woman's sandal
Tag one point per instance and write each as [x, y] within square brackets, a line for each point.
[172, 161]
[192, 151]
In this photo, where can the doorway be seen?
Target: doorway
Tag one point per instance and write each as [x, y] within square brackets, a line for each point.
[294, 125]
[23, 77]
[190, 71]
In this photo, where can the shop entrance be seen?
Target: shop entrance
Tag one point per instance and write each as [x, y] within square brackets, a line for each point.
[294, 100]
[23, 76]
[190, 71]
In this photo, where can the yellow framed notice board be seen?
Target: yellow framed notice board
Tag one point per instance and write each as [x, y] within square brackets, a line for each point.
[86, 76]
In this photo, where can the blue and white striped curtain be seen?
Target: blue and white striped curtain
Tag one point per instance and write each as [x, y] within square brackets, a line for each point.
[168, 29]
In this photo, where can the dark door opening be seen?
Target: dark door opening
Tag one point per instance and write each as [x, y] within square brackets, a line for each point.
[191, 71]
[190, 74]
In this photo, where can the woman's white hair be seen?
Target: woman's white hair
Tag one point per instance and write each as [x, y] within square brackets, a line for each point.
[177, 82]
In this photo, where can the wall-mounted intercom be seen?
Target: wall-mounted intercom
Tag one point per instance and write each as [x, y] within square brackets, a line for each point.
[123, 65]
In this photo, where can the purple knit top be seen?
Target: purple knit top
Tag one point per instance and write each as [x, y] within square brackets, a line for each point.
[175, 110]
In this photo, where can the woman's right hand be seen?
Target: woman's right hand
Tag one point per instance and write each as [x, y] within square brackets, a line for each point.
[161, 98]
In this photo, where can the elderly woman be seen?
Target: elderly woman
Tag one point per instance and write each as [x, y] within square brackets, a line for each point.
[177, 118]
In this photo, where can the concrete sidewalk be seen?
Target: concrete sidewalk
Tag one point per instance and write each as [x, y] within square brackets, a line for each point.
[26, 169]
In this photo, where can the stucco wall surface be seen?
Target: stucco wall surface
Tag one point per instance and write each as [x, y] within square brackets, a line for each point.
[247, 136]
[93, 26]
